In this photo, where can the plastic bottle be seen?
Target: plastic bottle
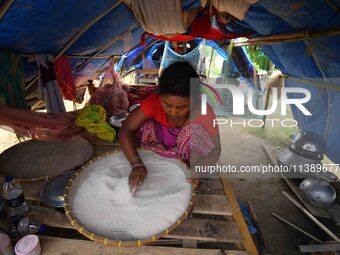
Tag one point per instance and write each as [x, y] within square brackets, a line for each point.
[14, 198]
[27, 226]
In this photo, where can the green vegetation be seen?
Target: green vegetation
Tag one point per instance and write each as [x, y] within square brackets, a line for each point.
[258, 58]
[216, 64]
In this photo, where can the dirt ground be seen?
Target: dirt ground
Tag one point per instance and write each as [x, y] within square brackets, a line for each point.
[240, 148]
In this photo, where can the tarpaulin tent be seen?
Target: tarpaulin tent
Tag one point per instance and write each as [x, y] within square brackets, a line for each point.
[36, 26]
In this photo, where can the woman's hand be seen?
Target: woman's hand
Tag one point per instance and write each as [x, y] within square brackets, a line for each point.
[137, 177]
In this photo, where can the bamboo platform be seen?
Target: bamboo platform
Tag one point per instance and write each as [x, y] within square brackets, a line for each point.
[216, 219]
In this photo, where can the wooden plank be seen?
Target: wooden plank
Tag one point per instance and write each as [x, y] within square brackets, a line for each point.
[204, 203]
[189, 243]
[190, 229]
[49, 216]
[207, 230]
[148, 71]
[147, 80]
[248, 242]
[211, 186]
[320, 247]
[61, 246]
[318, 212]
[212, 205]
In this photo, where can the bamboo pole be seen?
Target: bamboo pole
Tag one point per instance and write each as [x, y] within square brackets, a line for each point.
[238, 217]
[119, 37]
[250, 42]
[83, 30]
[5, 6]
[28, 55]
[333, 5]
[32, 82]
[317, 222]
[313, 83]
[291, 37]
[297, 228]
[211, 57]
[96, 57]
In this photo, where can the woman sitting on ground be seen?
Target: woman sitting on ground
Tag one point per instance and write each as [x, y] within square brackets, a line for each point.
[170, 124]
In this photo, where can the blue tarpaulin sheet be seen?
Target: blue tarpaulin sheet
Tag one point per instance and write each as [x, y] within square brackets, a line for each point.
[38, 26]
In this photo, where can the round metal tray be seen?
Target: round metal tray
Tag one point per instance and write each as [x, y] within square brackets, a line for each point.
[53, 192]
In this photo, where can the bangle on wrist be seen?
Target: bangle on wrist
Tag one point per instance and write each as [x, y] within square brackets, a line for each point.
[136, 161]
[137, 165]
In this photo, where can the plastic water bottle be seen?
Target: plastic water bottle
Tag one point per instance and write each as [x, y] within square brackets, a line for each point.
[14, 198]
[26, 226]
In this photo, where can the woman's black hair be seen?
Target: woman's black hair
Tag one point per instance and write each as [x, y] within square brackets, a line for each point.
[177, 79]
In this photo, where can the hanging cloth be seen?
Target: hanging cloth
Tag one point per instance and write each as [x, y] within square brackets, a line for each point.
[92, 118]
[65, 79]
[48, 87]
[237, 8]
[159, 17]
[203, 26]
[12, 80]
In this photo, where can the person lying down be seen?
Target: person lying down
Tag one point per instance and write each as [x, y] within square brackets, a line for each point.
[170, 124]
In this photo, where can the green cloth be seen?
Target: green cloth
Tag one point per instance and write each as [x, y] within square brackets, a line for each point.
[12, 80]
[92, 118]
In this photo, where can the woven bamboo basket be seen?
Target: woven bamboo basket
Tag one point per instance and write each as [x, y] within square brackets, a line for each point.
[73, 185]
[35, 160]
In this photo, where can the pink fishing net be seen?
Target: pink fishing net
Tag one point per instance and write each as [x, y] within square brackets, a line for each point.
[41, 126]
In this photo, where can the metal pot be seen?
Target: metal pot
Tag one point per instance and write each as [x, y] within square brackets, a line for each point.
[308, 144]
[299, 165]
[318, 192]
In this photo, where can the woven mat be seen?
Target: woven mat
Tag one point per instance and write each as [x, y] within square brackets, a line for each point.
[40, 159]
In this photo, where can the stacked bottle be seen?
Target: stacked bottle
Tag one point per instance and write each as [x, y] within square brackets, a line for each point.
[14, 197]
[19, 224]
